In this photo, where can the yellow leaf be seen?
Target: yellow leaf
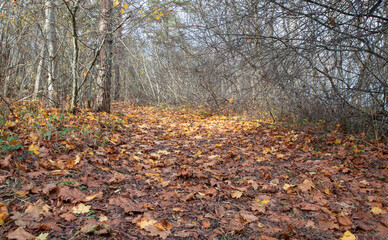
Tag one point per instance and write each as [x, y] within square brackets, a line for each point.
[33, 149]
[77, 159]
[348, 236]
[140, 11]
[122, 11]
[103, 218]
[42, 236]
[22, 193]
[265, 202]
[144, 222]
[218, 145]
[4, 214]
[287, 186]
[327, 191]
[157, 17]
[115, 3]
[81, 208]
[266, 150]
[85, 72]
[376, 210]
[143, 15]
[126, 6]
[236, 194]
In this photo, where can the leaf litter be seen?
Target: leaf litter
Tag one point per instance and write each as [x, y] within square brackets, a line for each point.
[147, 172]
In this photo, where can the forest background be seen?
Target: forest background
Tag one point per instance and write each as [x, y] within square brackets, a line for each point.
[302, 60]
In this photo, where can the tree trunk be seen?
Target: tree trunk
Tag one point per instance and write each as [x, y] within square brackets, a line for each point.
[103, 99]
[39, 71]
[74, 70]
[118, 59]
[52, 47]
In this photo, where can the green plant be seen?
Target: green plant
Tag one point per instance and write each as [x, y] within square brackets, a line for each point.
[10, 144]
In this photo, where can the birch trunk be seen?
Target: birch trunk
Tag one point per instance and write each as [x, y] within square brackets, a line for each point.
[103, 98]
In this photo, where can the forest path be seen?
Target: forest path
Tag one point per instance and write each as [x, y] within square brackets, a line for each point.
[146, 172]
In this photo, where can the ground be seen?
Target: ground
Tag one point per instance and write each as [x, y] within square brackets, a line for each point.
[153, 172]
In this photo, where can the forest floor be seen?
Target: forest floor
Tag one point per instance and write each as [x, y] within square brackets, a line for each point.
[144, 173]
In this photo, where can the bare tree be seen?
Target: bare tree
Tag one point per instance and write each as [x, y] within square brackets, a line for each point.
[103, 96]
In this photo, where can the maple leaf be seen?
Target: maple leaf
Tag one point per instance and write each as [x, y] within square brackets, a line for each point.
[37, 209]
[33, 149]
[42, 236]
[81, 208]
[68, 217]
[306, 186]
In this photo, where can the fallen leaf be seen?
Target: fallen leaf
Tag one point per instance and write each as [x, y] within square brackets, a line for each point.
[306, 186]
[103, 218]
[42, 236]
[81, 208]
[344, 220]
[144, 222]
[71, 194]
[4, 214]
[128, 205]
[92, 197]
[206, 224]
[117, 178]
[327, 191]
[33, 149]
[348, 236]
[68, 217]
[376, 210]
[288, 186]
[236, 194]
[20, 234]
[38, 209]
[248, 217]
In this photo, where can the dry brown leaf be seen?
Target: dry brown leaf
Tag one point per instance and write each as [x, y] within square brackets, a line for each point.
[68, 217]
[344, 220]
[128, 205]
[93, 196]
[117, 178]
[206, 224]
[220, 211]
[71, 194]
[20, 234]
[248, 217]
[306, 186]
[38, 208]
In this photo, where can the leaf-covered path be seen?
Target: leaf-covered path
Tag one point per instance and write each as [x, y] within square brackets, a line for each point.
[143, 173]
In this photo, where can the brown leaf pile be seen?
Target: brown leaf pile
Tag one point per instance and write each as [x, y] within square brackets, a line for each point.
[143, 173]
